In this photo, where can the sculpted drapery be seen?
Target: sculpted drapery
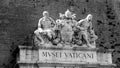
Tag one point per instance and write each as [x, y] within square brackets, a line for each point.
[65, 32]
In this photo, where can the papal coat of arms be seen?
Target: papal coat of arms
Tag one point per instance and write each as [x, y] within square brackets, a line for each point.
[65, 31]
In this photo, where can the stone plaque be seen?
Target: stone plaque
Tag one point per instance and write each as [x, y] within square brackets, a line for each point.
[67, 56]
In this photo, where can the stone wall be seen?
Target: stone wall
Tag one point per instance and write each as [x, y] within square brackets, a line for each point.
[19, 18]
[32, 57]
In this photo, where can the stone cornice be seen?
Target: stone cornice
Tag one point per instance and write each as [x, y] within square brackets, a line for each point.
[65, 48]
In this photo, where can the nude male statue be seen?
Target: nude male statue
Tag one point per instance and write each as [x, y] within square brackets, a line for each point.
[46, 26]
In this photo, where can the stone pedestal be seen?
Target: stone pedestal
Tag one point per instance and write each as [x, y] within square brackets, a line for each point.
[36, 57]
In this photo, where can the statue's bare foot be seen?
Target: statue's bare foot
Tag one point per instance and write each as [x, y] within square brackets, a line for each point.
[90, 46]
[59, 45]
[84, 45]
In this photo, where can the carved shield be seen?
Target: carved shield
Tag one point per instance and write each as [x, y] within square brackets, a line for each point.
[66, 32]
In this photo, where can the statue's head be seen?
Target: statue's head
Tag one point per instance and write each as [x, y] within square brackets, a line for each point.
[89, 17]
[45, 13]
[68, 13]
